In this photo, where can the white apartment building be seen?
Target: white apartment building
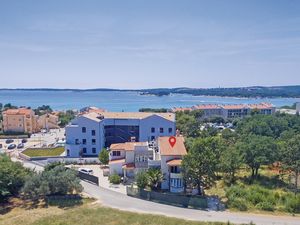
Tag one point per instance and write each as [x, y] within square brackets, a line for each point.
[228, 111]
[89, 133]
[127, 159]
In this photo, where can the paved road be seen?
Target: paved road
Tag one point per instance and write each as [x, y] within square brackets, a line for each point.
[123, 202]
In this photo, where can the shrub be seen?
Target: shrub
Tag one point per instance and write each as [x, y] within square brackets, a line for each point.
[267, 206]
[238, 203]
[292, 203]
[54, 181]
[115, 179]
[142, 180]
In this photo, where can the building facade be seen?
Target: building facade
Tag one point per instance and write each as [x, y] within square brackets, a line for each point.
[20, 120]
[87, 134]
[128, 159]
[230, 111]
[48, 121]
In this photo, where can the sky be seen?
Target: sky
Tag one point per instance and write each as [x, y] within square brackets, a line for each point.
[149, 44]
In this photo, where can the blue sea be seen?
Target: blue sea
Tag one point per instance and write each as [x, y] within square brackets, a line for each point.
[121, 101]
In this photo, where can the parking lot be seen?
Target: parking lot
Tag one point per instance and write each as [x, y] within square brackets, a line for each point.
[42, 139]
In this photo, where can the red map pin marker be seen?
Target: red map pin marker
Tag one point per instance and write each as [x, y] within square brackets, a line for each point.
[172, 141]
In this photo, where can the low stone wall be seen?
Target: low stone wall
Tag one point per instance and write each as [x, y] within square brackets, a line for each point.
[181, 200]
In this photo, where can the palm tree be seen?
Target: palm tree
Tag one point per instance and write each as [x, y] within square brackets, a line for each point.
[155, 177]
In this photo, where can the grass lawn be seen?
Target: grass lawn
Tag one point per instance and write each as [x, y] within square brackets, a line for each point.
[87, 214]
[40, 152]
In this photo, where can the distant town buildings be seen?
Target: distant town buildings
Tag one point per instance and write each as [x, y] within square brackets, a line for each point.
[128, 159]
[24, 120]
[20, 120]
[88, 133]
[48, 121]
[230, 111]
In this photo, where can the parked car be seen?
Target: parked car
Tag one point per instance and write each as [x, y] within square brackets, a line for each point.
[86, 171]
[24, 141]
[8, 141]
[11, 146]
[21, 145]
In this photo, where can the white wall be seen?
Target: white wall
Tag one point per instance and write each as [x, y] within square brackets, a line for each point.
[74, 132]
[157, 122]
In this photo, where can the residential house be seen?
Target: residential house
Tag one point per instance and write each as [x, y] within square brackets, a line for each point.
[48, 121]
[127, 159]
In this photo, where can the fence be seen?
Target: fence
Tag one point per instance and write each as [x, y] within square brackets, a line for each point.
[186, 201]
[88, 177]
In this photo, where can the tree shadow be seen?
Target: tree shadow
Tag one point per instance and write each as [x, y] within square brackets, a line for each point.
[64, 201]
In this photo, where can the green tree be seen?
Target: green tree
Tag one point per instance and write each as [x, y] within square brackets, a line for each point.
[142, 180]
[187, 124]
[66, 117]
[12, 177]
[231, 161]
[291, 157]
[56, 181]
[104, 156]
[257, 151]
[201, 162]
[9, 106]
[155, 177]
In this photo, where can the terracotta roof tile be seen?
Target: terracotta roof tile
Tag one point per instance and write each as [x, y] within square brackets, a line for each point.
[127, 146]
[166, 149]
[174, 162]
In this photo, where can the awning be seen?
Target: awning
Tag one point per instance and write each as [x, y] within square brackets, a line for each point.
[174, 162]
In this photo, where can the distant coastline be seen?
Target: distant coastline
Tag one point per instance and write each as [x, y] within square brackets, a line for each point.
[238, 92]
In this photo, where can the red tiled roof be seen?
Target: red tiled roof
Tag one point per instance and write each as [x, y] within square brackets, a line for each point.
[127, 146]
[241, 106]
[209, 106]
[166, 149]
[20, 111]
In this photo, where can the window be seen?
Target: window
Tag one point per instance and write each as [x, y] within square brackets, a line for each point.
[93, 141]
[84, 150]
[94, 150]
[170, 130]
[152, 138]
[161, 130]
[116, 153]
[83, 129]
[153, 130]
[84, 141]
[93, 132]
[76, 141]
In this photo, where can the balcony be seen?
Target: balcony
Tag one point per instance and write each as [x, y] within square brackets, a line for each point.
[153, 163]
[176, 175]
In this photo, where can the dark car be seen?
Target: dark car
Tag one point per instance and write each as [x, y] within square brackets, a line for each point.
[1, 145]
[21, 145]
[24, 140]
[11, 146]
[8, 141]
